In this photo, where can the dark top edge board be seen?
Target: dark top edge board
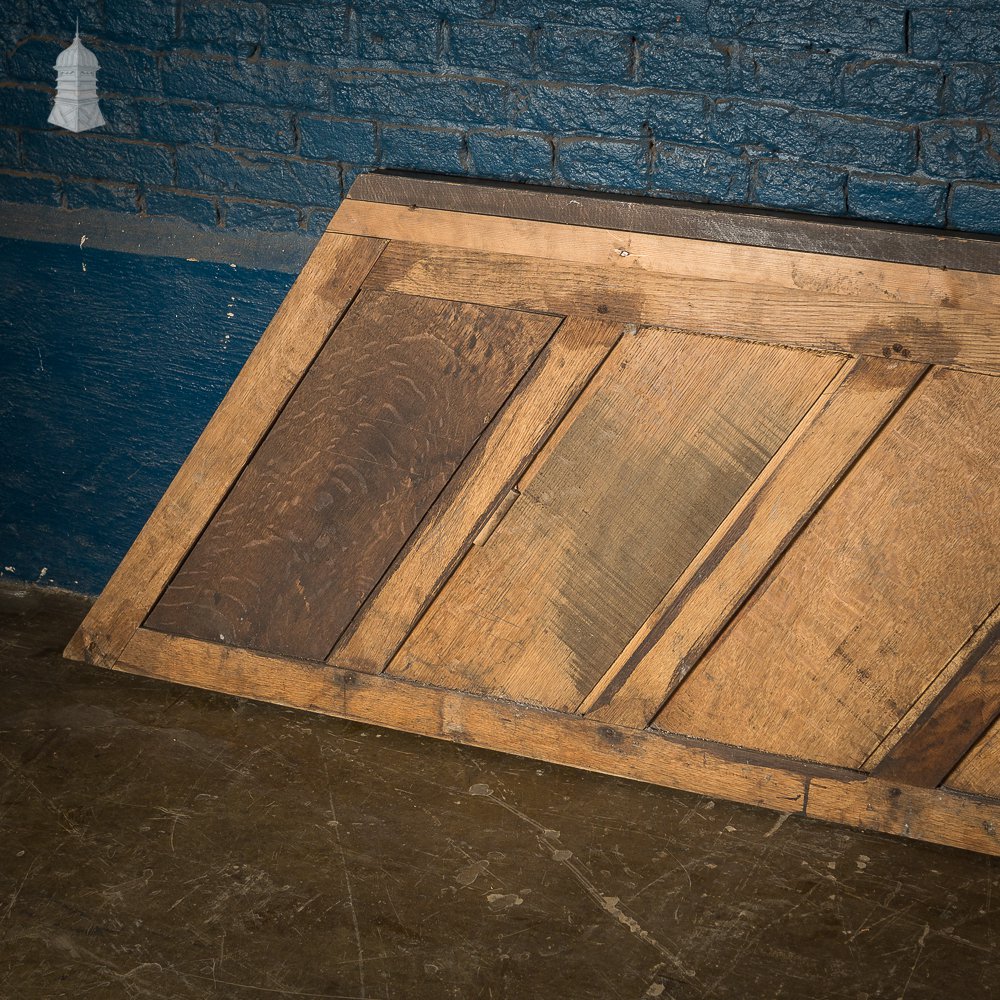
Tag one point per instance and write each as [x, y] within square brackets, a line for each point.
[753, 227]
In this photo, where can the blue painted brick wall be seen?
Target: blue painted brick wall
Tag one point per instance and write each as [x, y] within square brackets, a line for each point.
[257, 115]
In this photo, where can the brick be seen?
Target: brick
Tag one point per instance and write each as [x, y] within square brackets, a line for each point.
[418, 149]
[25, 106]
[849, 24]
[806, 77]
[398, 35]
[634, 17]
[126, 71]
[260, 83]
[34, 60]
[251, 128]
[231, 23]
[177, 122]
[51, 17]
[255, 215]
[151, 23]
[972, 89]
[511, 157]
[603, 164]
[826, 138]
[25, 188]
[409, 99]
[98, 158]
[683, 64]
[584, 55]
[799, 186]
[952, 150]
[890, 87]
[897, 199]
[495, 49]
[700, 174]
[202, 211]
[327, 139]
[9, 156]
[107, 197]
[612, 111]
[257, 175]
[975, 207]
[318, 221]
[956, 32]
[349, 174]
[120, 117]
[317, 32]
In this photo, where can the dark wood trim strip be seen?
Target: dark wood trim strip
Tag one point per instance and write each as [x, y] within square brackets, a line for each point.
[955, 720]
[660, 758]
[753, 227]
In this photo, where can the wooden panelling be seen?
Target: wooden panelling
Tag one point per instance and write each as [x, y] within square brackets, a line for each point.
[940, 248]
[979, 772]
[960, 714]
[965, 338]
[869, 281]
[658, 758]
[884, 584]
[671, 432]
[557, 378]
[752, 538]
[379, 424]
[299, 329]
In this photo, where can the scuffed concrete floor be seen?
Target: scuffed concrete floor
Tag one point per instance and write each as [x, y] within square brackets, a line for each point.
[162, 842]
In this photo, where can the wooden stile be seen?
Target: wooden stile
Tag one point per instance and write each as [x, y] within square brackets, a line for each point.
[696, 499]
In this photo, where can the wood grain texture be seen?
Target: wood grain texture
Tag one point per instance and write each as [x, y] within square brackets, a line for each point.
[542, 399]
[753, 227]
[668, 436]
[979, 772]
[886, 581]
[963, 338]
[718, 771]
[956, 718]
[916, 813]
[379, 424]
[810, 463]
[312, 308]
[864, 281]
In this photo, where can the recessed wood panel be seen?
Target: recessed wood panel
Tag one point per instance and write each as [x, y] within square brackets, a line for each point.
[887, 581]
[385, 415]
[979, 772]
[670, 434]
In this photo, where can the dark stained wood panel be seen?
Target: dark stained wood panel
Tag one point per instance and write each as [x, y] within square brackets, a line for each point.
[669, 435]
[886, 582]
[392, 405]
[979, 772]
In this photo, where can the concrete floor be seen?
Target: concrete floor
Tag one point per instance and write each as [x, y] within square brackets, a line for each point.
[162, 842]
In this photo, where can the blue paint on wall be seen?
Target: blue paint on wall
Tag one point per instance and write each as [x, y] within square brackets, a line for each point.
[257, 115]
[110, 365]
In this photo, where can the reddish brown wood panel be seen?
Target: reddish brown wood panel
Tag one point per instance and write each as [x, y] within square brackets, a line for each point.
[391, 406]
[883, 586]
[668, 437]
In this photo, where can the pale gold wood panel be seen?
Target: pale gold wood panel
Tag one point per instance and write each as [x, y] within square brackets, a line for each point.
[884, 585]
[979, 772]
[867, 280]
[964, 338]
[667, 438]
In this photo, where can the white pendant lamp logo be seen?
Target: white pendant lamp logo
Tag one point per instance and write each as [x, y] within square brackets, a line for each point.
[76, 106]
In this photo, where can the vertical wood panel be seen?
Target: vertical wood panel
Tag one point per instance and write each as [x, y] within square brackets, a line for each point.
[884, 584]
[667, 438]
[383, 418]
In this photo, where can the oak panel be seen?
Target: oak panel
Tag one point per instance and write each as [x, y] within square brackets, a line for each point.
[888, 579]
[668, 436]
[979, 771]
[385, 415]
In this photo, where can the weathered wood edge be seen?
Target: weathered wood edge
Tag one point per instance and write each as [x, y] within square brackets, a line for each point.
[938, 816]
[304, 321]
[753, 227]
